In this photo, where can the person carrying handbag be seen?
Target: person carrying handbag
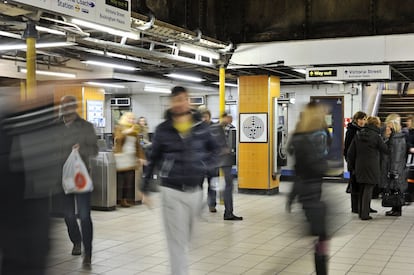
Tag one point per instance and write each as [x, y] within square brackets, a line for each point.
[394, 166]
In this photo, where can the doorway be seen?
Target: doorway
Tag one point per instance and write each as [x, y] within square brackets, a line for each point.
[334, 120]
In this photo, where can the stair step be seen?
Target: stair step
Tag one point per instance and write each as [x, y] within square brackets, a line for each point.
[396, 108]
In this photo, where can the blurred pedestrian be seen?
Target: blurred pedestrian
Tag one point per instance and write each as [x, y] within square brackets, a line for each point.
[309, 145]
[213, 173]
[393, 166]
[143, 131]
[129, 156]
[409, 137]
[29, 172]
[358, 121]
[364, 157]
[77, 133]
[185, 149]
[225, 163]
[227, 119]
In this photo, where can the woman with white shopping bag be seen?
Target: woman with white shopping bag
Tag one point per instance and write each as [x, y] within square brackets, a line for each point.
[78, 145]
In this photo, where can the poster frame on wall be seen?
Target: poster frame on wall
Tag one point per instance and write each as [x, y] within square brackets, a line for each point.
[245, 124]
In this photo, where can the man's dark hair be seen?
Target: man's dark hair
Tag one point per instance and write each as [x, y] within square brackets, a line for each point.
[359, 115]
[223, 115]
[177, 90]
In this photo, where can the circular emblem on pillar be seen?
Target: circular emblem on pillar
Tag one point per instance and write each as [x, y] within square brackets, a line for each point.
[253, 127]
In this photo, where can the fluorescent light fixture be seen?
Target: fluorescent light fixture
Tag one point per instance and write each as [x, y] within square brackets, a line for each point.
[154, 89]
[198, 51]
[38, 46]
[185, 77]
[335, 82]
[48, 30]
[9, 34]
[302, 71]
[50, 73]
[110, 65]
[110, 85]
[227, 84]
[105, 29]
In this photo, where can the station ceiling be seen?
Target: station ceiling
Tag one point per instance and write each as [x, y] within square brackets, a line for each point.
[170, 33]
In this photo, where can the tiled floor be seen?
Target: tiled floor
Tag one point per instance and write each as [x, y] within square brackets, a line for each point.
[268, 241]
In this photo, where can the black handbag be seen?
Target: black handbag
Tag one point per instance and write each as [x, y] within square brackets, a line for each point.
[392, 199]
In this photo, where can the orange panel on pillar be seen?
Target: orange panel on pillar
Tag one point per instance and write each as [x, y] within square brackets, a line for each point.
[255, 161]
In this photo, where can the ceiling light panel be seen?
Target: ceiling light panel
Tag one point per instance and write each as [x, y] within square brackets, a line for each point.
[185, 77]
[109, 85]
[38, 46]
[50, 73]
[110, 65]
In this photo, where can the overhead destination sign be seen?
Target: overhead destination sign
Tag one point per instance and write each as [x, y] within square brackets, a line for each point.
[322, 73]
[349, 73]
[113, 13]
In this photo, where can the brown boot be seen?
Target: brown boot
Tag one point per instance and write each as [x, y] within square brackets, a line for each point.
[124, 203]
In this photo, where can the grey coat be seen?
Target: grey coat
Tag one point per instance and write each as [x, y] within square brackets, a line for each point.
[393, 166]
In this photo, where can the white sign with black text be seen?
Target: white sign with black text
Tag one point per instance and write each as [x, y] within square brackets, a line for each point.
[113, 13]
[374, 72]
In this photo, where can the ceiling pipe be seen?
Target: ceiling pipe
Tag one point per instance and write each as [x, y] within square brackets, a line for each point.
[154, 80]
[149, 24]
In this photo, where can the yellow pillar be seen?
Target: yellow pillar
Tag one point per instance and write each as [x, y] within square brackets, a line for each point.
[30, 34]
[222, 77]
[256, 157]
[31, 67]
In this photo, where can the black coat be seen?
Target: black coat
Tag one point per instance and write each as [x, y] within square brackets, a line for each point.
[364, 155]
[225, 155]
[79, 132]
[351, 131]
[410, 138]
[310, 151]
[183, 161]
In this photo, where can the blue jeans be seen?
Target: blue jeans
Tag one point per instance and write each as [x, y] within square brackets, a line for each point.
[83, 202]
[227, 194]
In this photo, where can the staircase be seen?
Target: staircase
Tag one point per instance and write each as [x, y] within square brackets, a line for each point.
[396, 104]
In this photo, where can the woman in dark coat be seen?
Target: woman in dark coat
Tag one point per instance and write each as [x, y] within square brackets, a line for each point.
[358, 121]
[394, 166]
[309, 145]
[364, 161]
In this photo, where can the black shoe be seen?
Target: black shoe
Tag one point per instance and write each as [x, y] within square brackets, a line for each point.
[212, 209]
[232, 218]
[372, 210]
[367, 218]
[77, 249]
[393, 213]
[87, 261]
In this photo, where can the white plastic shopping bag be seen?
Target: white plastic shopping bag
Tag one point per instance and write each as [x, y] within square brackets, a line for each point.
[217, 183]
[75, 176]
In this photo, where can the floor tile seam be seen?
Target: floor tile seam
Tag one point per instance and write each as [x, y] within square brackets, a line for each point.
[234, 260]
[309, 250]
[406, 234]
[355, 235]
[347, 241]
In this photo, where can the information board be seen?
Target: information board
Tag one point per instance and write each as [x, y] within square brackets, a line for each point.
[113, 13]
